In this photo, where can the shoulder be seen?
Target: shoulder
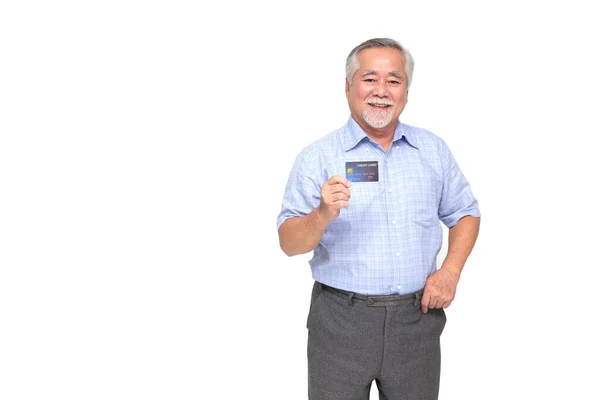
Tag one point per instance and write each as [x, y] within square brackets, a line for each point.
[323, 147]
[425, 140]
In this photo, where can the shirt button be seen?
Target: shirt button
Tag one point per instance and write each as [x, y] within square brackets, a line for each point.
[394, 221]
[399, 287]
[397, 254]
[390, 189]
[398, 147]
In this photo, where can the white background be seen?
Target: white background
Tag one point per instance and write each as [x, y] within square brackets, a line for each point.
[145, 147]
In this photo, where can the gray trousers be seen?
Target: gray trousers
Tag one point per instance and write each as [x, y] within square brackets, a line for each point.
[355, 339]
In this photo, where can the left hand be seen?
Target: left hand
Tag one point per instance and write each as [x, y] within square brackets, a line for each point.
[440, 289]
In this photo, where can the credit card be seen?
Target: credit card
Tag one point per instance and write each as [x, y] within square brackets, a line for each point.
[362, 171]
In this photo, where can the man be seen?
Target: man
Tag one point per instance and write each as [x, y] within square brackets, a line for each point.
[368, 199]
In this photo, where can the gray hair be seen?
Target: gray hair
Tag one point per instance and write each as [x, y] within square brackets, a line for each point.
[352, 63]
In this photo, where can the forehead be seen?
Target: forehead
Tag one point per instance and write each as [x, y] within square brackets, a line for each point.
[381, 59]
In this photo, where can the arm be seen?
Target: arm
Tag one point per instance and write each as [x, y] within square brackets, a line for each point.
[299, 235]
[440, 287]
[461, 239]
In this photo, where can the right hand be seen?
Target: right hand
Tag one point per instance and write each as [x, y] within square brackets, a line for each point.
[335, 195]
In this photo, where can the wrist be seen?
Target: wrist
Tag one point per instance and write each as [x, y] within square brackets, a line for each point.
[323, 215]
[452, 268]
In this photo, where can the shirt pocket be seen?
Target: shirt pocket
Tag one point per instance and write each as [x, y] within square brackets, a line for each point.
[419, 190]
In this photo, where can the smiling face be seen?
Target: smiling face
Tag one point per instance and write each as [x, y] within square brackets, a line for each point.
[379, 90]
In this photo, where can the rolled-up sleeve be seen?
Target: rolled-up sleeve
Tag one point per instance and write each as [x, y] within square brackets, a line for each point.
[303, 190]
[457, 200]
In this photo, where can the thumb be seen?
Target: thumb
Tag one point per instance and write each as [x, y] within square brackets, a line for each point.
[425, 302]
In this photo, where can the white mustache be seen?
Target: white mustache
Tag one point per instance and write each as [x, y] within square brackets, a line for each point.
[385, 102]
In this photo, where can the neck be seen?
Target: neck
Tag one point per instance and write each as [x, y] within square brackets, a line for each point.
[383, 136]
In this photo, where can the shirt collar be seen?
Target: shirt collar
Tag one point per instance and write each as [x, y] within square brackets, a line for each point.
[355, 134]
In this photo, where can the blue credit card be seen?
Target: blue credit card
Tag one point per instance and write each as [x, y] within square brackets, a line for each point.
[362, 171]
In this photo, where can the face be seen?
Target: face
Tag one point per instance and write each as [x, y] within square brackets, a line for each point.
[378, 93]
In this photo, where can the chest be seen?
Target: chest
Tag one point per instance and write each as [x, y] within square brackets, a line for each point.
[403, 182]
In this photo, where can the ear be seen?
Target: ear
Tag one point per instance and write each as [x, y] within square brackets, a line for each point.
[347, 87]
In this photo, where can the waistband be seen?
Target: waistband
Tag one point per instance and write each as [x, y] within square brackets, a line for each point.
[376, 300]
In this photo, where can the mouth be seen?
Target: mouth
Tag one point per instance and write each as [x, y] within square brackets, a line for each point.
[379, 103]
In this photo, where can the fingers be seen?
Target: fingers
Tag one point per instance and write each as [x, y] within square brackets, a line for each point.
[439, 291]
[339, 179]
[335, 195]
[435, 303]
[425, 302]
[332, 198]
[340, 204]
[429, 301]
[335, 192]
[338, 189]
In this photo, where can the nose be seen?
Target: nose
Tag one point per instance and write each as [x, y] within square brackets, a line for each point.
[380, 90]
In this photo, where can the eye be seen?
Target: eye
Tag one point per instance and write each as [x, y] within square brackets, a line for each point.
[394, 82]
[370, 80]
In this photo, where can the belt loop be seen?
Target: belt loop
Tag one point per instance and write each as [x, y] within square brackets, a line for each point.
[416, 303]
[350, 296]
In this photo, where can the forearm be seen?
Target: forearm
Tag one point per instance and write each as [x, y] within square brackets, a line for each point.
[300, 235]
[461, 239]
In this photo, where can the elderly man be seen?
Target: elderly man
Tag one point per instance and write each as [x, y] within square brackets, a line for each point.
[368, 200]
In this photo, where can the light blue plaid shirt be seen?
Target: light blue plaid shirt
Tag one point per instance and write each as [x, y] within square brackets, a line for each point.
[387, 240]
